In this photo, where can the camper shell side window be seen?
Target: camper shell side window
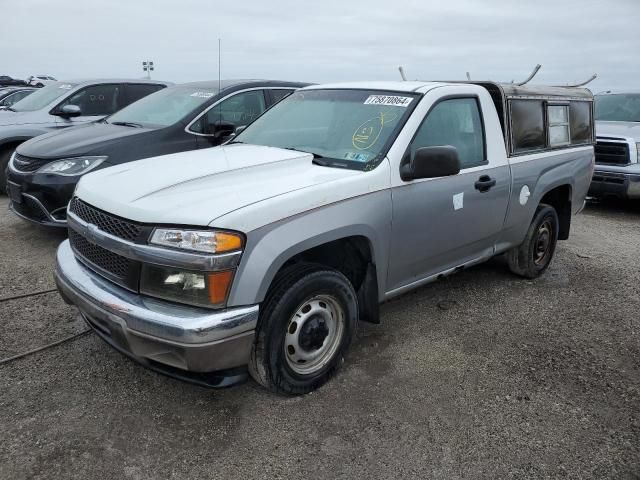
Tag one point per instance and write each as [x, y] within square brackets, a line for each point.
[536, 119]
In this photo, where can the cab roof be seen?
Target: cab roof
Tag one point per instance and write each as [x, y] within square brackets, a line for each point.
[392, 86]
[508, 90]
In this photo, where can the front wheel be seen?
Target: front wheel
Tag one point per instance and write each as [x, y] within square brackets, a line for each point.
[534, 255]
[305, 328]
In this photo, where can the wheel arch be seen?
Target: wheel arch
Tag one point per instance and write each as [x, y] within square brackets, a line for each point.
[353, 250]
[560, 197]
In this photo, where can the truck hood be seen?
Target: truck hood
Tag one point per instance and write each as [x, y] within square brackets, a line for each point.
[75, 141]
[8, 117]
[618, 129]
[196, 187]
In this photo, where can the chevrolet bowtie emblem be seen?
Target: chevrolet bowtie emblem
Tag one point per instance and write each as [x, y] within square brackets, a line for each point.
[92, 233]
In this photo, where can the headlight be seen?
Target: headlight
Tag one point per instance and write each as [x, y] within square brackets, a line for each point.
[206, 289]
[207, 241]
[72, 166]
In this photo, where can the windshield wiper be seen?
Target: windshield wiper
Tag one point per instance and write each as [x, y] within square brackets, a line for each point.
[321, 160]
[127, 124]
[315, 155]
[11, 109]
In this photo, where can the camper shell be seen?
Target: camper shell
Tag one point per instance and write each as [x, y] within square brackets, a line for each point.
[578, 101]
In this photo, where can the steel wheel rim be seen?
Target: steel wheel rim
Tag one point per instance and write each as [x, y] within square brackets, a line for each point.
[544, 239]
[314, 333]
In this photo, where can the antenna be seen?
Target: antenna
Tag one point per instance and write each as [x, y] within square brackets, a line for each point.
[533, 74]
[591, 79]
[401, 70]
[468, 76]
[219, 76]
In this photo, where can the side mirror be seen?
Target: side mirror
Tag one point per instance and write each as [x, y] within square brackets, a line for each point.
[431, 162]
[69, 111]
[221, 129]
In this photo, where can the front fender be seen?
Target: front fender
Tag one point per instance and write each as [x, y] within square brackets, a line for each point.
[269, 247]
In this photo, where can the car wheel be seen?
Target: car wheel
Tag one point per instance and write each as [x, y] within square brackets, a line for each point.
[305, 328]
[5, 155]
[534, 255]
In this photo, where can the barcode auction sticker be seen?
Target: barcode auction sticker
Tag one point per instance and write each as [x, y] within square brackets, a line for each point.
[392, 100]
[202, 94]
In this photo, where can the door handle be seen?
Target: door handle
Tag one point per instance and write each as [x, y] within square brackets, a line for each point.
[484, 183]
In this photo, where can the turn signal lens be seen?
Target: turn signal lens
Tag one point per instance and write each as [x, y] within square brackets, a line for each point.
[219, 283]
[208, 241]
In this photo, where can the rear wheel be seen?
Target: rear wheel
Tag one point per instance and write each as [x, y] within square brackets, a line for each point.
[5, 155]
[534, 255]
[305, 328]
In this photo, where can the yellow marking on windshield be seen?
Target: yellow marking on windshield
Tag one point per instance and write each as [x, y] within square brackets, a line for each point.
[368, 133]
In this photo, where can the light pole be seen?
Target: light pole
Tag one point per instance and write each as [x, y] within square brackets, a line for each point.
[147, 67]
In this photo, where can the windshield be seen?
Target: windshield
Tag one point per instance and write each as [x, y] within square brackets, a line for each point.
[618, 107]
[165, 107]
[42, 97]
[343, 128]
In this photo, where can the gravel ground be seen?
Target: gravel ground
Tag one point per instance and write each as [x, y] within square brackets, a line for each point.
[481, 375]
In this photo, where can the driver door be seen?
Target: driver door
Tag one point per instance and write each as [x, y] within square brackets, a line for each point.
[442, 223]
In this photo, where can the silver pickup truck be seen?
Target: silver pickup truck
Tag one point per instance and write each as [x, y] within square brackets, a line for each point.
[617, 170]
[266, 252]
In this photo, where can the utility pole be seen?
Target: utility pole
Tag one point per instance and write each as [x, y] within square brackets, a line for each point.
[147, 67]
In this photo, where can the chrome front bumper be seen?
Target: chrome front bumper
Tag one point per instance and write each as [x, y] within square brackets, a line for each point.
[157, 332]
[616, 182]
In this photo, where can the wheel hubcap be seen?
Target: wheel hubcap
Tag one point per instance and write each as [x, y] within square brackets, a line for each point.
[543, 243]
[314, 333]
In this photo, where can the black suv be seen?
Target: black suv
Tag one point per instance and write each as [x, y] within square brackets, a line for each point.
[7, 81]
[44, 171]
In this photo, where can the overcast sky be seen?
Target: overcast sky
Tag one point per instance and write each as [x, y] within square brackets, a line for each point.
[329, 40]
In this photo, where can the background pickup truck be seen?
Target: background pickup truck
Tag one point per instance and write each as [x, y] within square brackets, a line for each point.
[617, 170]
[266, 252]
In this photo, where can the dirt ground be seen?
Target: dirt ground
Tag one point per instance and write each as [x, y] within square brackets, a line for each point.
[481, 375]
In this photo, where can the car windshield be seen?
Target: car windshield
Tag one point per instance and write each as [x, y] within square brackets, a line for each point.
[618, 107]
[165, 107]
[43, 97]
[342, 128]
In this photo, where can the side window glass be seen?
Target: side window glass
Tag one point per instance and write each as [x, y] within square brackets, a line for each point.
[527, 123]
[454, 122]
[580, 121]
[558, 125]
[278, 95]
[16, 97]
[241, 110]
[95, 100]
[137, 91]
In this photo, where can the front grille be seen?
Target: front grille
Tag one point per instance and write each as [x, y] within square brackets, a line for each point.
[110, 265]
[105, 221]
[102, 258]
[28, 164]
[614, 153]
[30, 209]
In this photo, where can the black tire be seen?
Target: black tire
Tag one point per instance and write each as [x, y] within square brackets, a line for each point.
[534, 255]
[5, 155]
[271, 365]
